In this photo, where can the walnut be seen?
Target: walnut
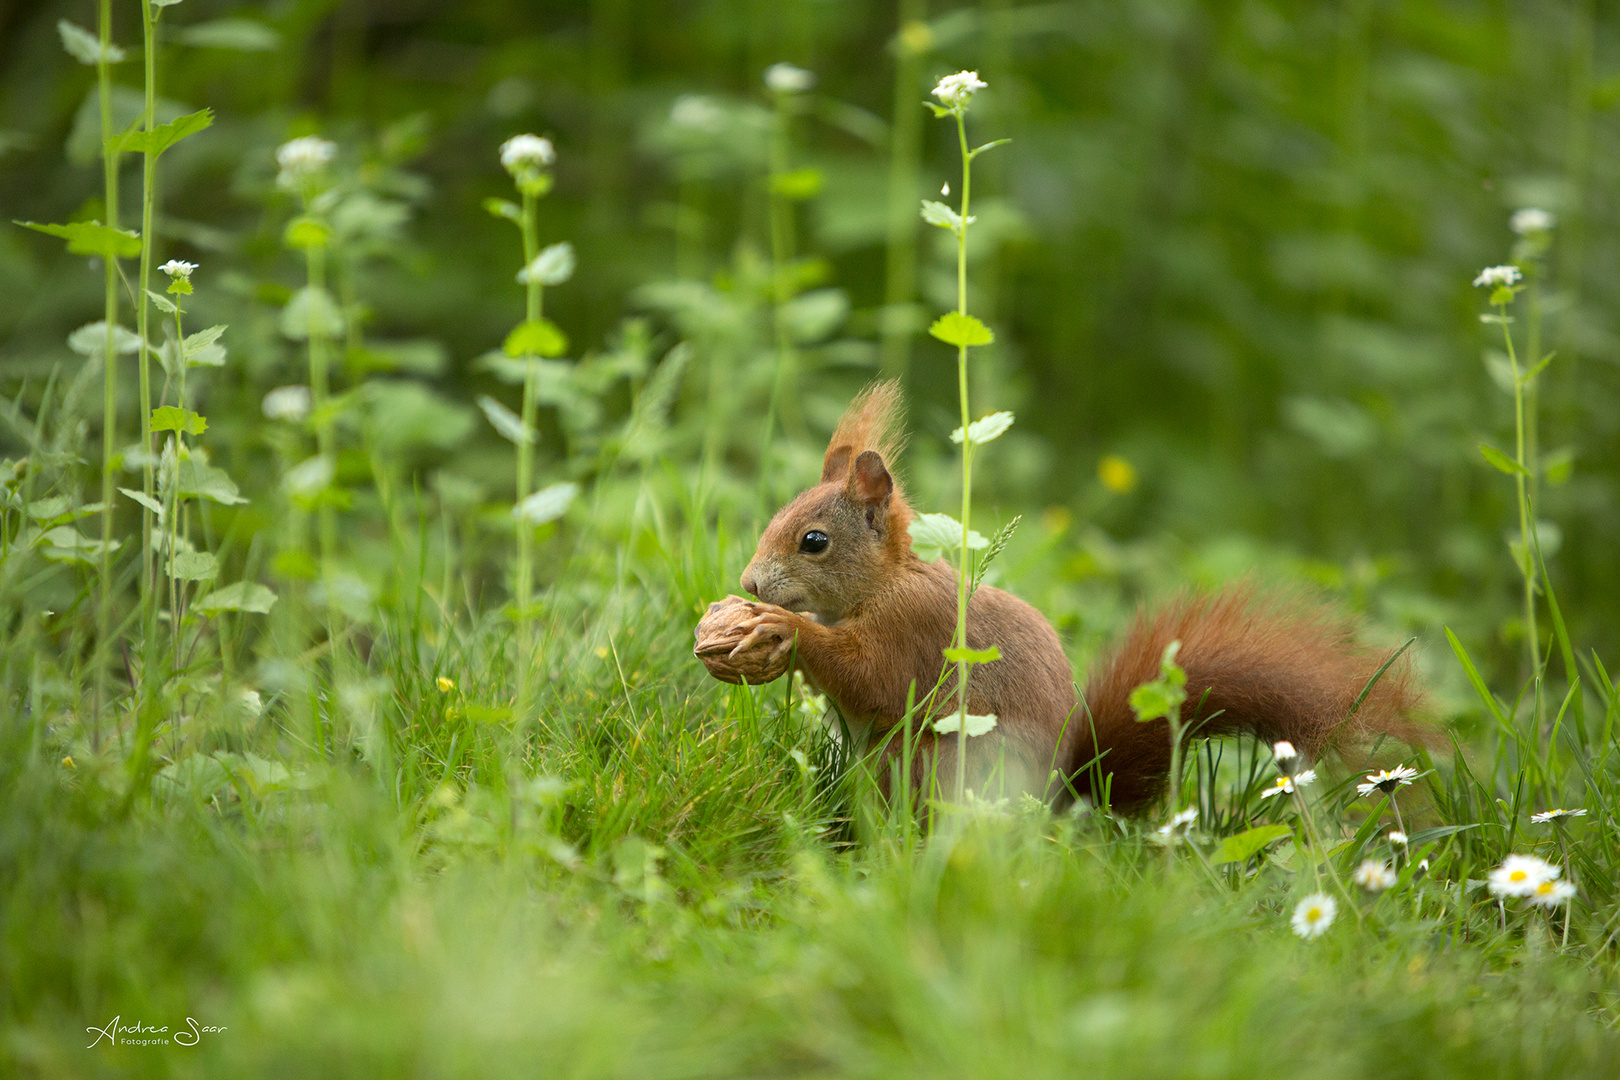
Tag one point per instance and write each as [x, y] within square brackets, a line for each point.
[720, 631]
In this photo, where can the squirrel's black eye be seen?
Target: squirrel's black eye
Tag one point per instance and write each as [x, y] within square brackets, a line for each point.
[815, 540]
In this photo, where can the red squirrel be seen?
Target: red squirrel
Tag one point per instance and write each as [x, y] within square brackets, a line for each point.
[838, 581]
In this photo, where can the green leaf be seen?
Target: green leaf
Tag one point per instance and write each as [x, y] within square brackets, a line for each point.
[977, 150]
[504, 208]
[934, 534]
[547, 504]
[986, 429]
[84, 46]
[306, 234]
[954, 328]
[169, 418]
[91, 340]
[240, 35]
[202, 349]
[505, 421]
[976, 725]
[1501, 461]
[973, 656]
[553, 266]
[163, 303]
[311, 311]
[145, 500]
[92, 238]
[163, 136]
[199, 479]
[539, 338]
[241, 596]
[798, 185]
[194, 566]
[1247, 844]
[937, 213]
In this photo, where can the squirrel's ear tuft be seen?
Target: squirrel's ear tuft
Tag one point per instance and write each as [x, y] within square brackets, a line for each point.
[871, 485]
[836, 464]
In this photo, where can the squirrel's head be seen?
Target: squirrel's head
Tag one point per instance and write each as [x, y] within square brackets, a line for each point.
[838, 543]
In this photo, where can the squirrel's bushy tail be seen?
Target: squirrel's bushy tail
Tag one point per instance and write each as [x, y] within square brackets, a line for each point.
[1276, 669]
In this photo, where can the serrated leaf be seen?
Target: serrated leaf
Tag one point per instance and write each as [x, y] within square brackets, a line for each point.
[553, 266]
[984, 430]
[163, 303]
[163, 136]
[539, 338]
[169, 418]
[92, 238]
[240, 35]
[1246, 845]
[145, 500]
[91, 340]
[547, 504]
[194, 566]
[976, 724]
[954, 328]
[934, 534]
[1501, 461]
[937, 213]
[203, 349]
[241, 596]
[84, 46]
[505, 421]
[973, 656]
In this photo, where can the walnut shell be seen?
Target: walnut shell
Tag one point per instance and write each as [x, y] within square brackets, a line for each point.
[720, 631]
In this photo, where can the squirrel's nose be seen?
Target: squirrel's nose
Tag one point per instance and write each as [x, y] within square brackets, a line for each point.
[750, 582]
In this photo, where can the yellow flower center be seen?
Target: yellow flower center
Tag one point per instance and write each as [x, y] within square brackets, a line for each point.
[1544, 888]
[1313, 914]
[1518, 875]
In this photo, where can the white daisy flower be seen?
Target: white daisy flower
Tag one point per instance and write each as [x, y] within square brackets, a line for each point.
[1373, 876]
[178, 268]
[1531, 220]
[1387, 780]
[1550, 893]
[955, 91]
[785, 78]
[1520, 874]
[1285, 785]
[1168, 832]
[1397, 838]
[286, 403]
[1557, 816]
[1314, 915]
[522, 152]
[302, 158]
[1493, 276]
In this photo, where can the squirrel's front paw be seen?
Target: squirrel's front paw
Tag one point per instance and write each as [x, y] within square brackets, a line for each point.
[771, 625]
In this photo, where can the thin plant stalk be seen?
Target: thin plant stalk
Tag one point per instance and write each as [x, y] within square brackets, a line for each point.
[781, 224]
[109, 399]
[533, 312]
[905, 157]
[1521, 487]
[142, 309]
[967, 467]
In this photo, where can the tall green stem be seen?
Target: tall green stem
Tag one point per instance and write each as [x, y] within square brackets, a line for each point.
[533, 311]
[109, 398]
[325, 438]
[1526, 554]
[143, 308]
[781, 222]
[964, 567]
[905, 155]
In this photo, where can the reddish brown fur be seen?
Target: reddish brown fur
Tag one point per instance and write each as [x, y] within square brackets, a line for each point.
[871, 620]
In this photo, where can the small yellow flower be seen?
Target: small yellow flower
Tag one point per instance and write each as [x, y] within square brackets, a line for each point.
[67, 762]
[445, 684]
[1117, 474]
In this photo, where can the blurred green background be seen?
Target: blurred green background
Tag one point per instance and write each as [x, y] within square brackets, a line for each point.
[1231, 243]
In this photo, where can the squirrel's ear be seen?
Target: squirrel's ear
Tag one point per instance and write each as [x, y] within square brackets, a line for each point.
[836, 463]
[871, 485]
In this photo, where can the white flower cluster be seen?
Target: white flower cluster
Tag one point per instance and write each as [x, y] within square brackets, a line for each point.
[178, 268]
[1536, 880]
[1314, 915]
[955, 91]
[1495, 276]
[1531, 220]
[302, 158]
[785, 78]
[522, 152]
[1373, 875]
